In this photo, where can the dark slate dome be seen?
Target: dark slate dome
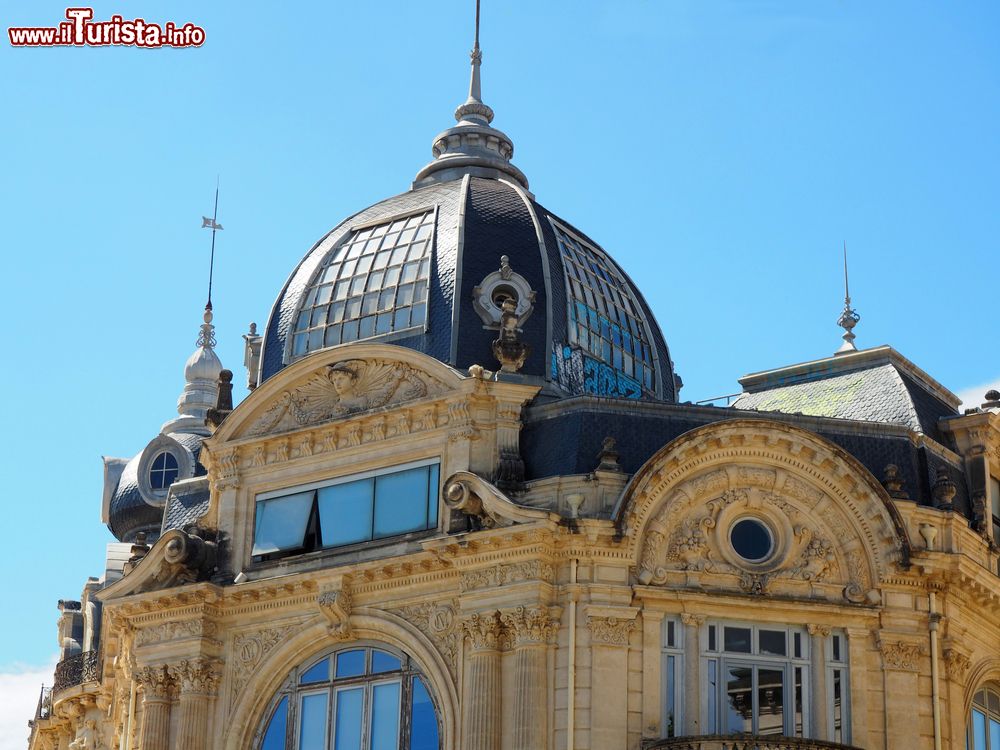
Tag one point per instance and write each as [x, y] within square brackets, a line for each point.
[429, 269]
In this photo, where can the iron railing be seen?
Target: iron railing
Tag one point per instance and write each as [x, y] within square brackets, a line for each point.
[743, 742]
[75, 670]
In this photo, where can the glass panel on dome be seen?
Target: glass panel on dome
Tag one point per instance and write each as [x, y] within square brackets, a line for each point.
[372, 260]
[604, 323]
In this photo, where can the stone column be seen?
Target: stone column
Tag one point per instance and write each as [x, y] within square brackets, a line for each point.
[692, 673]
[530, 629]
[198, 680]
[156, 686]
[817, 681]
[481, 718]
[858, 646]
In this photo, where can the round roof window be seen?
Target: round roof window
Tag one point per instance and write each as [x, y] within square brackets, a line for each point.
[751, 539]
[163, 471]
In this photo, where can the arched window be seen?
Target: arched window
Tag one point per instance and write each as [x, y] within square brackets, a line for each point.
[163, 471]
[352, 699]
[984, 724]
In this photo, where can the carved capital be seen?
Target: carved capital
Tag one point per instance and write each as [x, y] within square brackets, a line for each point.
[956, 664]
[484, 631]
[529, 625]
[156, 682]
[693, 620]
[335, 604]
[821, 631]
[612, 631]
[198, 676]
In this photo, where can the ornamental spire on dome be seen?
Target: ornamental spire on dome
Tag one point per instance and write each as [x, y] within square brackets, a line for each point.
[849, 317]
[472, 146]
[202, 369]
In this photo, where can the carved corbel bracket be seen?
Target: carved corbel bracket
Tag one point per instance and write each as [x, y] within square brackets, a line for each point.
[473, 496]
[335, 604]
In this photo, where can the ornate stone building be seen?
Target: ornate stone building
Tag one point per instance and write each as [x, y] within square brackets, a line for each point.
[464, 508]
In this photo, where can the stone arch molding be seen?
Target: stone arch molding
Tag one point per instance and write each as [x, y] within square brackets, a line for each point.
[369, 625]
[836, 534]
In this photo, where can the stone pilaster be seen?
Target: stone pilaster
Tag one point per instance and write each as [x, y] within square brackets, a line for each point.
[481, 719]
[156, 684]
[530, 629]
[692, 672]
[610, 631]
[817, 681]
[198, 680]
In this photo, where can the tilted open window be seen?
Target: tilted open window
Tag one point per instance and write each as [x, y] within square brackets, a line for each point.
[349, 510]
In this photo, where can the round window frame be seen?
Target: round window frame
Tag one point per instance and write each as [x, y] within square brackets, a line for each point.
[761, 523]
[185, 467]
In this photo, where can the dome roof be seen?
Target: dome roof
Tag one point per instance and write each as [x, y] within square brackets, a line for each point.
[410, 270]
[431, 269]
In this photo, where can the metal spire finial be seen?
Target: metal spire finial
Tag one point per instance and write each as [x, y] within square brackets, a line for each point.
[206, 338]
[849, 317]
[473, 109]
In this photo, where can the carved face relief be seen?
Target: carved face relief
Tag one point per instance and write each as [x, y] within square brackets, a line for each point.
[344, 388]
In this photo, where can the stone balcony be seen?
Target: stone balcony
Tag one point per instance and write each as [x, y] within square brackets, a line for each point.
[743, 742]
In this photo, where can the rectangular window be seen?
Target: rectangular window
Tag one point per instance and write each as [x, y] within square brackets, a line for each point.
[756, 680]
[347, 724]
[312, 726]
[350, 510]
[673, 680]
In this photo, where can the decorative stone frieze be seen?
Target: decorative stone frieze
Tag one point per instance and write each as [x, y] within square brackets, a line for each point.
[612, 631]
[172, 631]
[503, 574]
[901, 655]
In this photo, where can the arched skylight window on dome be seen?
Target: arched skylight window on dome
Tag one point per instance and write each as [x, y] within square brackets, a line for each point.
[163, 471]
[373, 283]
[353, 699]
[605, 322]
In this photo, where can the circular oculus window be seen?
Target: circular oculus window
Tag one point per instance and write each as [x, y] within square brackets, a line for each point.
[751, 539]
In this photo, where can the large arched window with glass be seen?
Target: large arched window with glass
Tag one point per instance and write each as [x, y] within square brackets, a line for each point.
[353, 699]
[984, 723]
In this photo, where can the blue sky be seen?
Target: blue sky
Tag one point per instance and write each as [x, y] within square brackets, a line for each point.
[721, 151]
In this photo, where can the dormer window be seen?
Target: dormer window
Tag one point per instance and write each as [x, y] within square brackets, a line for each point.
[163, 471]
[351, 510]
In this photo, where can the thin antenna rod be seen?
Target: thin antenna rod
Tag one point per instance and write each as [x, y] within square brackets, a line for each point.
[477, 25]
[847, 289]
[215, 226]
